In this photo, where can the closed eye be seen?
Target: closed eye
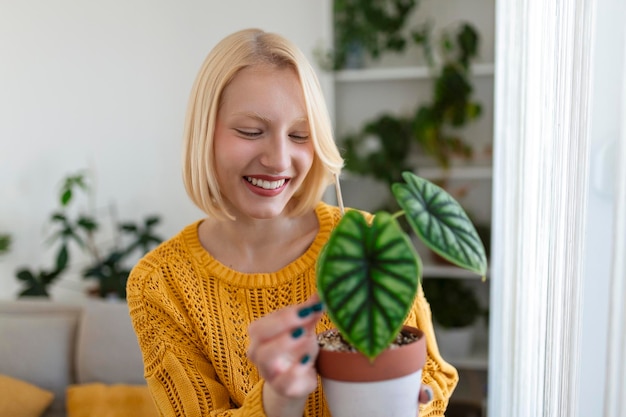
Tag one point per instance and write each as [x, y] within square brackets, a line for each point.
[299, 137]
[249, 133]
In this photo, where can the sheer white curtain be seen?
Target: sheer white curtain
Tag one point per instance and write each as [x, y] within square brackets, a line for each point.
[615, 402]
[549, 214]
[541, 142]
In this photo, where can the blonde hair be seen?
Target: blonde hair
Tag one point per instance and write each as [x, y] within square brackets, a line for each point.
[237, 51]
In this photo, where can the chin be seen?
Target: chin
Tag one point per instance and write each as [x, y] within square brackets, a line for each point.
[264, 212]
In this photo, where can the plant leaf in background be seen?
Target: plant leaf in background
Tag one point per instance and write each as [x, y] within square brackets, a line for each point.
[108, 262]
[368, 276]
[441, 223]
[36, 285]
[5, 243]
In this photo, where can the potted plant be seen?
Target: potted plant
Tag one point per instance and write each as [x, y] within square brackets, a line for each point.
[451, 107]
[368, 275]
[435, 124]
[455, 309]
[107, 261]
[365, 27]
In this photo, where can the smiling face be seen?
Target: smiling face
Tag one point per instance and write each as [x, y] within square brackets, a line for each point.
[263, 149]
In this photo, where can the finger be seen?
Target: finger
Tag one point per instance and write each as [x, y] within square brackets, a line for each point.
[426, 394]
[298, 380]
[286, 319]
[273, 357]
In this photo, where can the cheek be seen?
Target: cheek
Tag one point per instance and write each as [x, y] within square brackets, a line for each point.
[305, 156]
[227, 150]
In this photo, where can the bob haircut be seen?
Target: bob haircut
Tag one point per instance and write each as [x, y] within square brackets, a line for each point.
[242, 49]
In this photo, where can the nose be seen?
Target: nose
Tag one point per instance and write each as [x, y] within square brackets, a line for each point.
[276, 155]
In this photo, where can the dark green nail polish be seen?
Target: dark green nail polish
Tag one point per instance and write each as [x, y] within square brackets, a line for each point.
[305, 359]
[317, 307]
[297, 333]
[305, 312]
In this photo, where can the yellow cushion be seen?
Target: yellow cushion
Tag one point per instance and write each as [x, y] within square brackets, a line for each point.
[101, 400]
[22, 399]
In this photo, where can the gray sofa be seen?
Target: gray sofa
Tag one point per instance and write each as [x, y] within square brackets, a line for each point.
[54, 344]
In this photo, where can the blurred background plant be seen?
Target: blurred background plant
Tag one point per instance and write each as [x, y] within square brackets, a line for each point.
[365, 27]
[385, 146]
[107, 262]
[5, 243]
[454, 305]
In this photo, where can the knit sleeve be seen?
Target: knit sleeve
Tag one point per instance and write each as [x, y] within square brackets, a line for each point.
[181, 380]
[440, 375]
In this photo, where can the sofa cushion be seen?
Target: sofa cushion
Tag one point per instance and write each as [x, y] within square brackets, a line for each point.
[21, 399]
[107, 348]
[117, 400]
[37, 344]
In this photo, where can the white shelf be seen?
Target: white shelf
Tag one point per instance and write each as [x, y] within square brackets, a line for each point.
[441, 271]
[402, 73]
[477, 360]
[460, 172]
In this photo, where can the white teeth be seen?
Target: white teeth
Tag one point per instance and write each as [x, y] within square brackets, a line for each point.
[266, 185]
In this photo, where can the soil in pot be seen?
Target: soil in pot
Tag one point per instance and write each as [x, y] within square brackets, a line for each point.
[388, 385]
[332, 340]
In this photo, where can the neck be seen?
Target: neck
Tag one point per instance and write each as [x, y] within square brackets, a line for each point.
[258, 245]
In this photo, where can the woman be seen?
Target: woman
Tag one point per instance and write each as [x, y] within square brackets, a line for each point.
[226, 311]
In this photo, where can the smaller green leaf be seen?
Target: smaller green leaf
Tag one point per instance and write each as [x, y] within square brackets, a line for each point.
[25, 275]
[62, 257]
[66, 197]
[440, 222]
[87, 223]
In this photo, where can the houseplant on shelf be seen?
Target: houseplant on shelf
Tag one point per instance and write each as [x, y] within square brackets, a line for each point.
[455, 309]
[436, 124]
[385, 146]
[368, 275]
[365, 27]
[107, 261]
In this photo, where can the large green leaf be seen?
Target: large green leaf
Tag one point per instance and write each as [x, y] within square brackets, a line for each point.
[441, 223]
[368, 276]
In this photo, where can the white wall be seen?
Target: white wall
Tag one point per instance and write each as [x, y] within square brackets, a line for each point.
[104, 86]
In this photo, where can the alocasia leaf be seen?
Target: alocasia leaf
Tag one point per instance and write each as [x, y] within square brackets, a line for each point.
[368, 275]
[440, 222]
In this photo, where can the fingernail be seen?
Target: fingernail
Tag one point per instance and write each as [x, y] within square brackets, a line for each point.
[429, 393]
[297, 333]
[317, 307]
[305, 359]
[304, 312]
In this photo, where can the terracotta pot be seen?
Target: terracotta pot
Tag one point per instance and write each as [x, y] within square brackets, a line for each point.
[389, 386]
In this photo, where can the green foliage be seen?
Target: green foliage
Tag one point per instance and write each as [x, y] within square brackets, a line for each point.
[368, 273]
[37, 284]
[453, 304]
[441, 223]
[451, 105]
[367, 276]
[374, 26]
[388, 160]
[5, 243]
[107, 264]
[110, 270]
[435, 124]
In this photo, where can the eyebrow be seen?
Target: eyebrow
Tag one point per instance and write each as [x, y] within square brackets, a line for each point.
[261, 118]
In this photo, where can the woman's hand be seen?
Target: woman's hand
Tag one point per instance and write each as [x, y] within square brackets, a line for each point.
[283, 346]
[425, 395]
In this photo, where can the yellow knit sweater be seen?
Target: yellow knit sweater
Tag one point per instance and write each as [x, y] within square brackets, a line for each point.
[191, 315]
